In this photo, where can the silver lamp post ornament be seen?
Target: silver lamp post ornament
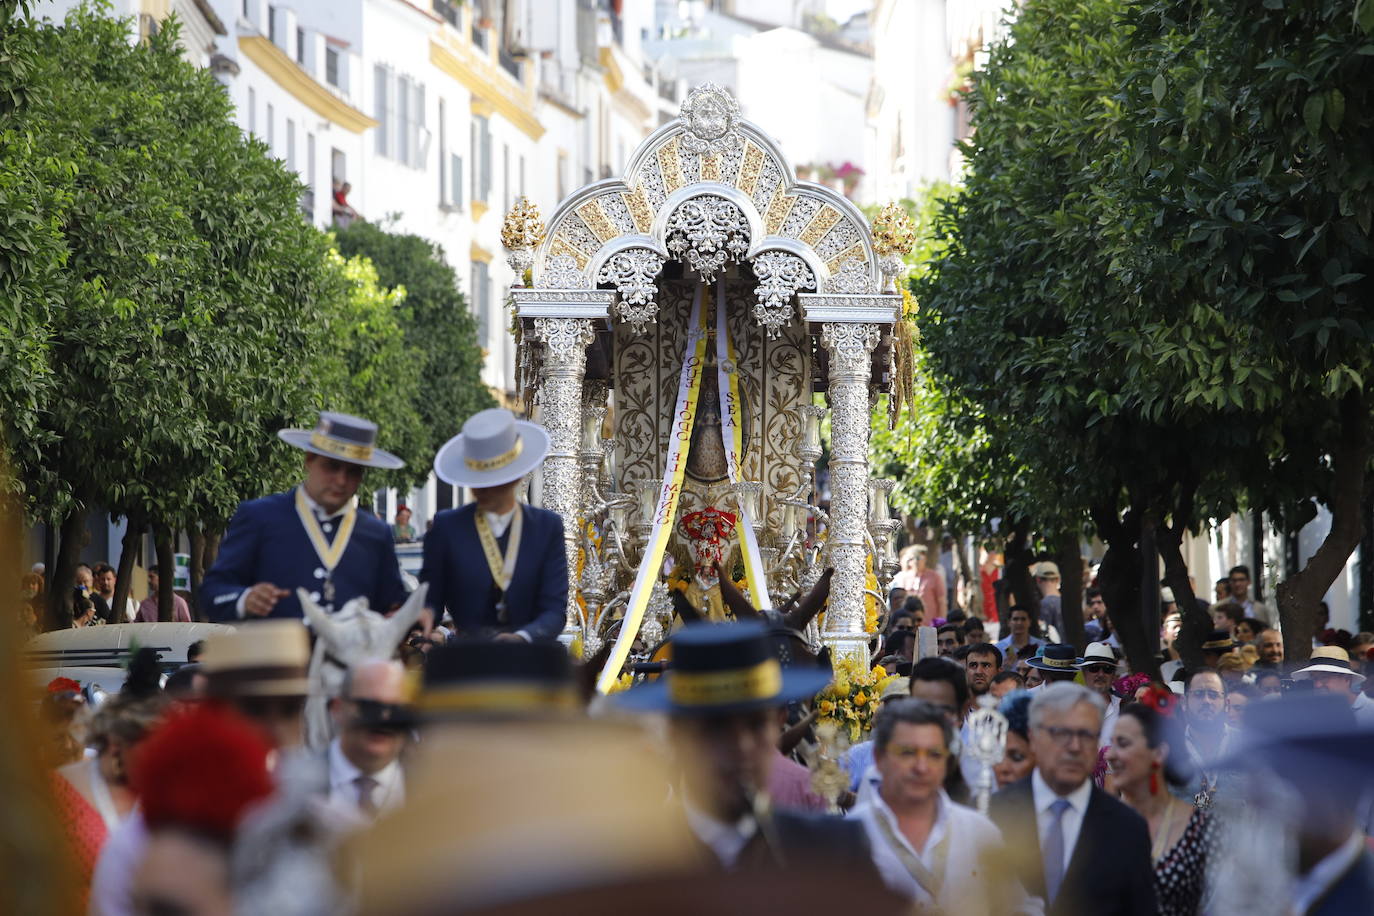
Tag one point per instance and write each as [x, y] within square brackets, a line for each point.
[987, 745]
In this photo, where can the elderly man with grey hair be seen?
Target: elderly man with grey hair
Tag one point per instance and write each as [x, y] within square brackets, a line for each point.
[1071, 844]
[927, 848]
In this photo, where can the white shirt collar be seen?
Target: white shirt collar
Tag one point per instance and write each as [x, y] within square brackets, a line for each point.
[1045, 796]
[727, 841]
[319, 510]
[343, 777]
[499, 523]
[937, 829]
[1310, 887]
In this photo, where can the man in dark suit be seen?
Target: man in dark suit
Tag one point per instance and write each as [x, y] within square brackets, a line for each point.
[498, 566]
[1071, 844]
[312, 537]
[723, 693]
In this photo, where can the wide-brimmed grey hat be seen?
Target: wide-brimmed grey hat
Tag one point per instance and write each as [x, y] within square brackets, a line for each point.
[494, 448]
[338, 435]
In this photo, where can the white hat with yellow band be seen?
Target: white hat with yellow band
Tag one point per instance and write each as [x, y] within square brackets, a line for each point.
[346, 438]
[494, 448]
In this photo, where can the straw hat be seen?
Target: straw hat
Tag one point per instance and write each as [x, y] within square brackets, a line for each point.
[267, 659]
[1329, 660]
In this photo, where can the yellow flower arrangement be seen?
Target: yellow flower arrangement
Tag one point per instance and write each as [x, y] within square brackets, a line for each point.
[870, 602]
[522, 227]
[893, 231]
[851, 701]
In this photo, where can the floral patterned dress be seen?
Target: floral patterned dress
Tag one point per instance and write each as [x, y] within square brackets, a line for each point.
[1181, 873]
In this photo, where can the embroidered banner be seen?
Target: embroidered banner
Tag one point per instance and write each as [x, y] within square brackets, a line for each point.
[732, 434]
[684, 418]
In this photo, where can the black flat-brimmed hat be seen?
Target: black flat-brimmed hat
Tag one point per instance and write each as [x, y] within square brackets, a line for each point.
[471, 678]
[1219, 641]
[1057, 657]
[724, 668]
[1308, 737]
[338, 435]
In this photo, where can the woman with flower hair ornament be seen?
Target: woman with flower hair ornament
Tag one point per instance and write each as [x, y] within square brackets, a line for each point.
[1143, 768]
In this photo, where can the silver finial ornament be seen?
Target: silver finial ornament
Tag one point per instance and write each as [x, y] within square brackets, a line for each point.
[711, 116]
[987, 744]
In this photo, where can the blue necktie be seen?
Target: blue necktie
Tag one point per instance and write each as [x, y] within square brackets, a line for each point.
[1054, 850]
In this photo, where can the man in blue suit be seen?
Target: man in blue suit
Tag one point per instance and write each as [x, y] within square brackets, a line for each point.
[498, 566]
[312, 536]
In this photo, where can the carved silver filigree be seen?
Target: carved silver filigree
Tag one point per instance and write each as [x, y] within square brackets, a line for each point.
[563, 365]
[852, 277]
[707, 231]
[780, 275]
[633, 272]
[561, 272]
[711, 117]
[850, 345]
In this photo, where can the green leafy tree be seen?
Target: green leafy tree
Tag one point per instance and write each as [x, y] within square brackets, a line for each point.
[1251, 152]
[436, 322]
[181, 328]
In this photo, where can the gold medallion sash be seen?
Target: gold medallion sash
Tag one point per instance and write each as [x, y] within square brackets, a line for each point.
[329, 553]
[732, 437]
[684, 418]
[502, 568]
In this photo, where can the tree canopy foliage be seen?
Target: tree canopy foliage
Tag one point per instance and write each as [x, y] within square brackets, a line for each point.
[1147, 305]
[164, 308]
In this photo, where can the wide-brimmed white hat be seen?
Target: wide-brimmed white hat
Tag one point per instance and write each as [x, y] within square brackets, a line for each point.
[338, 435]
[1097, 653]
[493, 448]
[1329, 660]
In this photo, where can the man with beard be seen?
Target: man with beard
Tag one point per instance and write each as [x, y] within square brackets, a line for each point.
[982, 663]
[1270, 646]
[1207, 736]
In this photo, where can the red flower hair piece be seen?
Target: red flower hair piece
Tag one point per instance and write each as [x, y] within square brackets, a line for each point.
[1125, 687]
[63, 685]
[201, 769]
[1161, 699]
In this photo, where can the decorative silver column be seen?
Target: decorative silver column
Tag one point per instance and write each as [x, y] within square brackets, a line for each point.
[850, 345]
[561, 371]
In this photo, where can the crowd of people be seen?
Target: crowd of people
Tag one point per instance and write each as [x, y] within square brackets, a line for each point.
[470, 766]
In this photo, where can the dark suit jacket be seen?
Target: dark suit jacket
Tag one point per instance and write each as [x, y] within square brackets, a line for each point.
[266, 542]
[1353, 892]
[801, 841]
[1110, 872]
[456, 569]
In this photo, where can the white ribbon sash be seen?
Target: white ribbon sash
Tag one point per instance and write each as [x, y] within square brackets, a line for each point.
[732, 435]
[684, 418]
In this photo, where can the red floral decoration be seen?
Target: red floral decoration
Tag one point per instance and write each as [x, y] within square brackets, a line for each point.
[1125, 687]
[63, 685]
[1161, 699]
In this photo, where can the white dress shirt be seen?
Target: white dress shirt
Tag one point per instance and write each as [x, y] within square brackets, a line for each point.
[499, 522]
[389, 793]
[1109, 721]
[1363, 708]
[727, 841]
[969, 839]
[1072, 820]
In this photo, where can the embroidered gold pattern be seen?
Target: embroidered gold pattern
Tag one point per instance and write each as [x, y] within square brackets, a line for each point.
[597, 220]
[822, 224]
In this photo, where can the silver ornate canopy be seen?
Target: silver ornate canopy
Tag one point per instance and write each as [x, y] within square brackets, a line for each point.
[709, 197]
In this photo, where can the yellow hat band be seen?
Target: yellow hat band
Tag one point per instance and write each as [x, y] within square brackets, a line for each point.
[345, 450]
[720, 688]
[500, 461]
[1058, 662]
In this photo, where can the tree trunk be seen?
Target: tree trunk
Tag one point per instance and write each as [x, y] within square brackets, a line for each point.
[133, 533]
[1069, 558]
[197, 568]
[1119, 578]
[1019, 558]
[1196, 623]
[62, 578]
[211, 548]
[966, 582]
[166, 570]
[1149, 583]
[1299, 594]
